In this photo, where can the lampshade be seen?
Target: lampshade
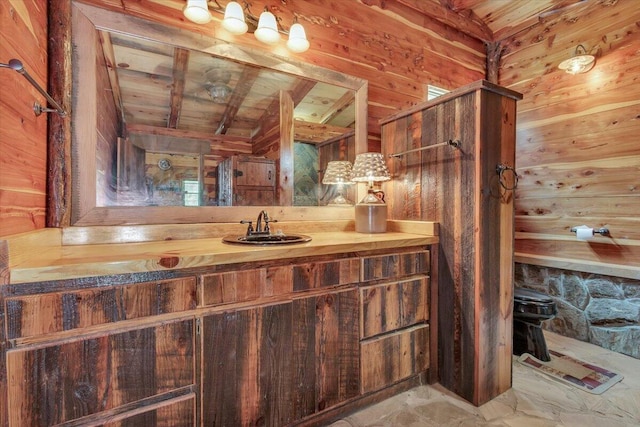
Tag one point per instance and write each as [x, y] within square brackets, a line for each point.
[298, 42]
[581, 62]
[370, 167]
[197, 11]
[267, 31]
[337, 172]
[234, 19]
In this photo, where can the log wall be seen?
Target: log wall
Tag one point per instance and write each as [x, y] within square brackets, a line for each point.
[577, 145]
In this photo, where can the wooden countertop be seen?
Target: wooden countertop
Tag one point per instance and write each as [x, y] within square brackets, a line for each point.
[61, 262]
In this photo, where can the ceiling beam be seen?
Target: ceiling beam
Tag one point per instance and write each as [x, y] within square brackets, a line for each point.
[344, 102]
[109, 57]
[244, 85]
[180, 66]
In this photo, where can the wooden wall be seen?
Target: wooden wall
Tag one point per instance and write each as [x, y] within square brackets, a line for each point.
[578, 152]
[23, 136]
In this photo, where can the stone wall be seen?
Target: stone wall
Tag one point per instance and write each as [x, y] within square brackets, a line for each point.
[602, 310]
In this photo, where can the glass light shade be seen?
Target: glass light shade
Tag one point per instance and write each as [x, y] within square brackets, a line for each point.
[581, 62]
[219, 92]
[578, 64]
[297, 42]
[234, 19]
[267, 31]
[370, 167]
[337, 172]
[197, 11]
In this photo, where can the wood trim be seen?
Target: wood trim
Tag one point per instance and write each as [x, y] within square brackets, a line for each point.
[606, 269]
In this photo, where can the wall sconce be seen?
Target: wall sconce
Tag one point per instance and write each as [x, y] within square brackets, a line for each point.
[338, 173]
[581, 62]
[371, 211]
[238, 20]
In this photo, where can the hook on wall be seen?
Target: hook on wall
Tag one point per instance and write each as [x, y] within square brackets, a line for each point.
[38, 109]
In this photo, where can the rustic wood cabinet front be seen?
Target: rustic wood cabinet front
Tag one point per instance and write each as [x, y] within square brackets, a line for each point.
[274, 365]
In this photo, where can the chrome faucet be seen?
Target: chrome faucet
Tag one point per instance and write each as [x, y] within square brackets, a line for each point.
[263, 216]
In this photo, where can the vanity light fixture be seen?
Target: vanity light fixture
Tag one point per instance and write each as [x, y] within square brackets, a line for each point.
[338, 173]
[197, 11]
[580, 62]
[239, 20]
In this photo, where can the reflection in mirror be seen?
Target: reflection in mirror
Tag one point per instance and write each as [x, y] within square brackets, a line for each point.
[192, 120]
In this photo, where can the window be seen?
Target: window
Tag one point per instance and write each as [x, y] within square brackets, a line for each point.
[191, 193]
[434, 92]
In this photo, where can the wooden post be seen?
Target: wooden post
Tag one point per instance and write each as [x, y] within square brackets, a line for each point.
[494, 52]
[59, 147]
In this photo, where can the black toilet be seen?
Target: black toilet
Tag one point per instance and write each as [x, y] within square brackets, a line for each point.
[530, 309]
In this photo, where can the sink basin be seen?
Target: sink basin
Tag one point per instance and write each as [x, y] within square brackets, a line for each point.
[267, 239]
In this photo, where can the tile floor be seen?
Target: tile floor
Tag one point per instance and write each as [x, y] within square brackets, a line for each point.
[535, 400]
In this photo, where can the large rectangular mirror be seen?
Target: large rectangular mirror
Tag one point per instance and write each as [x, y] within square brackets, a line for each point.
[171, 126]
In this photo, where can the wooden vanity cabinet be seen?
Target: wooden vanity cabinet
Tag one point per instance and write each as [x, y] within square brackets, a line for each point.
[280, 342]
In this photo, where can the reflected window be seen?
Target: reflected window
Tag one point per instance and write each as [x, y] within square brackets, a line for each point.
[191, 193]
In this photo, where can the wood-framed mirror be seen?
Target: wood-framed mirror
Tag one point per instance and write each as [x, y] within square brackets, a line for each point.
[120, 162]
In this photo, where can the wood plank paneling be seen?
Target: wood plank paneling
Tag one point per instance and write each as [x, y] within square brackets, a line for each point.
[576, 142]
[23, 136]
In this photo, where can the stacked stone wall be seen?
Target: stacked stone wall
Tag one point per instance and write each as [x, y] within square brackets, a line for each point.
[602, 310]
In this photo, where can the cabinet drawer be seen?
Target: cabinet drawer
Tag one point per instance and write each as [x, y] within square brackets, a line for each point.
[395, 266]
[393, 357]
[245, 285]
[390, 306]
[41, 314]
[326, 273]
[69, 380]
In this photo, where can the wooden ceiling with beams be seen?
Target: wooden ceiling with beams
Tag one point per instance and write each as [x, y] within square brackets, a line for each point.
[162, 86]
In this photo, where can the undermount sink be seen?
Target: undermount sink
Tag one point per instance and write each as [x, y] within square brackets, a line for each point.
[267, 239]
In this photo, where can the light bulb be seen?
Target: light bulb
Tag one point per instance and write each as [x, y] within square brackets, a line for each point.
[298, 42]
[267, 31]
[234, 19]
[197, 11]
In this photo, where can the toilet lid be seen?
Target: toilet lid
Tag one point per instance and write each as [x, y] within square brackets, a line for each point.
[523, 294]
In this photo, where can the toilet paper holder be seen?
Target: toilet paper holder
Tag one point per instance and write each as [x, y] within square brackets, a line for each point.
[601, 231]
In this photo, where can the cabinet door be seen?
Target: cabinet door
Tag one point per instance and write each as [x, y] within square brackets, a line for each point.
[255, 172]
[326, 351]
[247, 367]
[60, 382]
[274, 365]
